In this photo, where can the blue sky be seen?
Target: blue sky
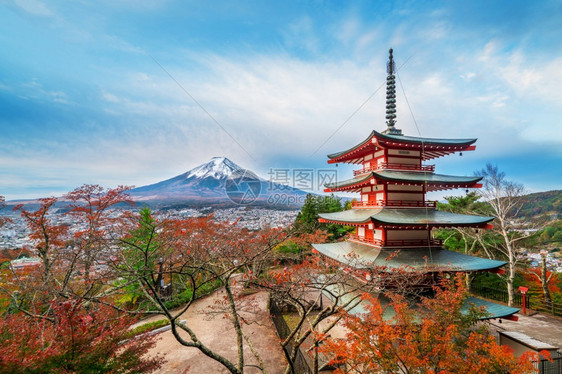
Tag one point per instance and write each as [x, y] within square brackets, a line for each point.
[99, 92]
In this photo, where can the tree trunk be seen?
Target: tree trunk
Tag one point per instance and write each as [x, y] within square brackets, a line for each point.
[510, 280]
[511, 262]
[544, 283]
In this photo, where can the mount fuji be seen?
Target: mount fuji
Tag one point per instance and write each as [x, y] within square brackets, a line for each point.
[220, 183]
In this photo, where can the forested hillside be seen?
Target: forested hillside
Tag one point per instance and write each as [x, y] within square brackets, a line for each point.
[539, 203]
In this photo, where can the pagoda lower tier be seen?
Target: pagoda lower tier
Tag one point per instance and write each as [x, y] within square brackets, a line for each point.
[493, 310]
[425, 259]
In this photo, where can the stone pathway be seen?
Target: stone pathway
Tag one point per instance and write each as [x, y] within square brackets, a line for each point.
[216, 331]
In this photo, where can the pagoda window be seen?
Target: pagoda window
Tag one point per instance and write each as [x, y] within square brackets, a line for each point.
[377, 234]
[368, 157]
[361, 232]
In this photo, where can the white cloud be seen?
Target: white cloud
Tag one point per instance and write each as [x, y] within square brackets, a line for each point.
[34, 7]
[468, 76]
[107, 96]
[301, 35]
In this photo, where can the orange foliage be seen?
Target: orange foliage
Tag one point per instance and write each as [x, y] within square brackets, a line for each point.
[434, 338]
[306, 239]
[73, 339]
[533, 277]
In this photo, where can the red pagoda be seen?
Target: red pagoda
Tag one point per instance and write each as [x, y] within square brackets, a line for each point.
[393, 219]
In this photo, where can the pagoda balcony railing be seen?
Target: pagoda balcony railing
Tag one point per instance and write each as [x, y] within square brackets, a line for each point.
[357, 238]
[401, 203]
[397, 243]
[386, 165]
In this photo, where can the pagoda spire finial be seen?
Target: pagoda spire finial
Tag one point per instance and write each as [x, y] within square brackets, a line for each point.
[391, 97]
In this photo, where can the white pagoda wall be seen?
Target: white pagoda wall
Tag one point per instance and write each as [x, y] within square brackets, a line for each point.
[406, 234]
[405, 196]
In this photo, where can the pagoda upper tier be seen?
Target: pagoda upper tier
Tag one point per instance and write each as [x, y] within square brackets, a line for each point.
[429, 181]
[428, 148]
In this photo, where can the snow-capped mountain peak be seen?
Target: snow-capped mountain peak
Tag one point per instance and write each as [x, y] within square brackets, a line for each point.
[217, 167]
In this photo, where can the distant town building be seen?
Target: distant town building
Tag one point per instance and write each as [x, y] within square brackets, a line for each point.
[25, 263]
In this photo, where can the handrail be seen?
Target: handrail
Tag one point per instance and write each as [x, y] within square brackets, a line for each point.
[397, 243]
[387, 165]
[357, 238]
[408, 203]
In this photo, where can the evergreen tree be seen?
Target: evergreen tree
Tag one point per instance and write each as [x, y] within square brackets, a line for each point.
[307, 219]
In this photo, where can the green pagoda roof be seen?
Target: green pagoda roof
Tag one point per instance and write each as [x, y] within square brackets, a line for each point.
[493, 310]
[412, 140]
[406, 217]
[424, 141]
[406, 177]
[362, 256]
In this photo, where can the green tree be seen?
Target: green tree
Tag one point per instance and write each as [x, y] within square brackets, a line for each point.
[464, 239]
[143, 249]
[307, 219]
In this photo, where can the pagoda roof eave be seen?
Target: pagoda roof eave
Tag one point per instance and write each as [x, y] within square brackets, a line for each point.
[356, 147]
[425, 177]
[404, 177]
[351, 216]
[424, 141]
[410, 141]
[406, 217]
[363, 256]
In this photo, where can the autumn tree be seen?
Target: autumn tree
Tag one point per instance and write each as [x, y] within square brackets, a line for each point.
[199, 254]
[91, 208]
[505, 200]
[438, 336]
[31, 289]
[314, 293]
[48, 326]
[541, 277]
[73, 339]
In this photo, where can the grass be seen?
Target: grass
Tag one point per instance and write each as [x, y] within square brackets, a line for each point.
[149, 326]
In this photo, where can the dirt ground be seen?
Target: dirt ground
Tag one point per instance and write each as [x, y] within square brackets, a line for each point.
[215, 330]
